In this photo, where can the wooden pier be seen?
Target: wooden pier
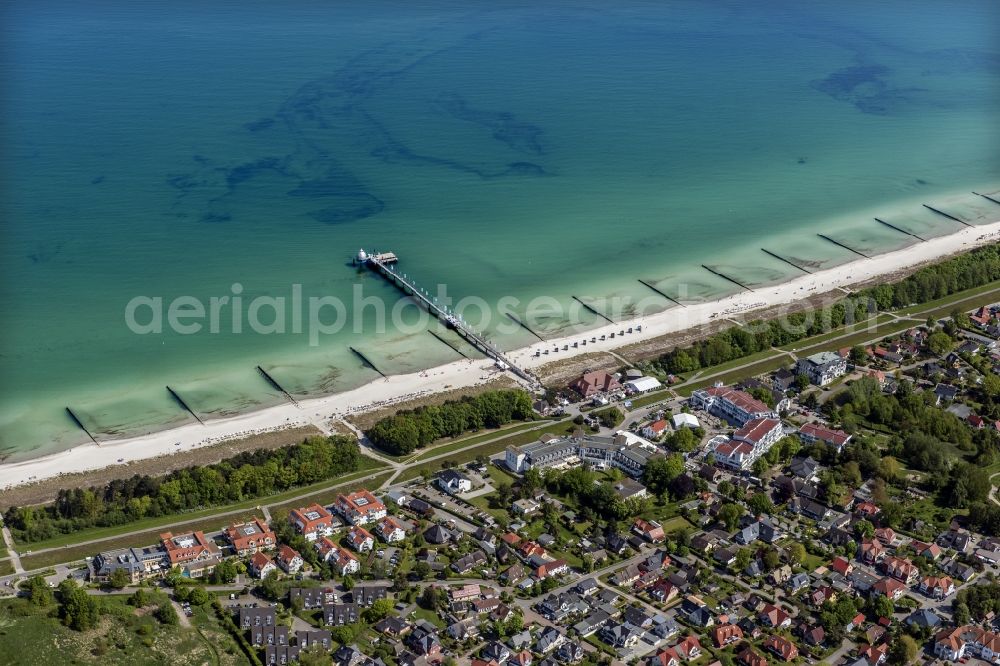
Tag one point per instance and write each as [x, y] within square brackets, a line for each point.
[383, 264]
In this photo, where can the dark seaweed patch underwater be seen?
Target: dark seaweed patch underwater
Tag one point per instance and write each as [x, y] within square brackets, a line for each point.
[326, 114]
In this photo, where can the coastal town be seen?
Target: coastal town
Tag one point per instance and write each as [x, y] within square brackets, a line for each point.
[772, 519]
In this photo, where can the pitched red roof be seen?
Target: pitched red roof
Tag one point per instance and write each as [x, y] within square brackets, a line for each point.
[756, 429]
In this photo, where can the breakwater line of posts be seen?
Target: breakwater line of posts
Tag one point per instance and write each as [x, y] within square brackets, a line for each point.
[368, 362]
[82, 427]
[726, 277]
[525, 326]
[988, 197]
[944, 214]
[593, 311]
[779, 258]
[450, 346]
[846, 247]
[183, 404]
[902, 231]
[273, 382]
[672, 300]
[382, 263]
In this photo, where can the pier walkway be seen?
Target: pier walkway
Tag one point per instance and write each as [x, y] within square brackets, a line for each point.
[383, 264]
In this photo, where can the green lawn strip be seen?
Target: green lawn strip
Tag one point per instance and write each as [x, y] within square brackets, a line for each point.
[368, 466]
[836, 333]
[730, 377]
[962, 304]
[6, 568]
[737, 362]
[860, 337]
[476, 439]
[950, 302]
[651, 398]
[77, 553]
[490, 448]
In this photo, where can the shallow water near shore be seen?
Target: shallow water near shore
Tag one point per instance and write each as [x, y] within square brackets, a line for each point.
[551, 150]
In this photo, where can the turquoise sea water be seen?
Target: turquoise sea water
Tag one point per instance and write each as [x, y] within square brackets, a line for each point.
[538, 149]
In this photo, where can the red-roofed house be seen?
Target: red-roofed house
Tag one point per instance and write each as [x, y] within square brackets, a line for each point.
[510, 539]
[724, 634]
[872, 551]
[289, 559]
[901, 569]
[187, 548]
[937, 588]
[876, 655]
[981, 316]
[811, 433]
[782, 647]
[251, 537]
[360, 507]
[949, 644]
[466, 592]
[689, 648]
[666, 657]
[866, 510]
[773, 616]
[654, 429]
[390, 530]
[312, 521]
[342, 560]
[650, 530]
[889, 587]
[977, 422]
[748, 657]
[929, 551]
[261, 564]
[886, 535]
[842, 566]
[360, 539]
[595, 382]
[549, 569]
[663, 591]
[856, 623]
[530, 548]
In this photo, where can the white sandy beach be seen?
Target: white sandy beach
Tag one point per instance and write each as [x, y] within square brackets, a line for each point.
[462, 374]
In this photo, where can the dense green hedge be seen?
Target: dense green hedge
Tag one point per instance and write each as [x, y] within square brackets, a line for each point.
[245, 476]
[406, 431]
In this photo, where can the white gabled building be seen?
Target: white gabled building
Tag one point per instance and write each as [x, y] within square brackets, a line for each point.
[360, 507]
[822, 368]
[625, 451]
[748, 443]
[735, 406]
